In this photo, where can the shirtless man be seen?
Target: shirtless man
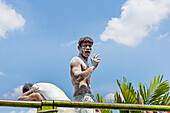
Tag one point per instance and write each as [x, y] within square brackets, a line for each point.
[81, 72]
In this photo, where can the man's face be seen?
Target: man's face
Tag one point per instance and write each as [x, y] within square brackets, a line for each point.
[85, 49]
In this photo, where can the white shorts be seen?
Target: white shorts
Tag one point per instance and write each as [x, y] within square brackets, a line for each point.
[84, 98]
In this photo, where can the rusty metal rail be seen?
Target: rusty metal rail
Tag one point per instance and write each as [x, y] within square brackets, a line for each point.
[75, 104]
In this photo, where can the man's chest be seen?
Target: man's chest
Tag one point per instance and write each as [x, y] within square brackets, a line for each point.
[84, 65]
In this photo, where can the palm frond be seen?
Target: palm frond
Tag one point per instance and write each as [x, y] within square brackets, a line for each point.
[128, 92]
[117, 98]
[155, 92]
[161, 89]
[165, 99]
[100, 99]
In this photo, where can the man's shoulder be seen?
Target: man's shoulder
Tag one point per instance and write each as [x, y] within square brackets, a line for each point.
[75, 60]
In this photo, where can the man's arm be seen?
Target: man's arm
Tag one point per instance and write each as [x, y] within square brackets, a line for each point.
[77, 72]
[31, 97]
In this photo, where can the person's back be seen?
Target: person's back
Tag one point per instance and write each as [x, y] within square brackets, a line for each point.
[50, 91]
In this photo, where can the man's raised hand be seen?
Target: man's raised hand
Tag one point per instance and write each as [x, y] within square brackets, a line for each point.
[95, 60]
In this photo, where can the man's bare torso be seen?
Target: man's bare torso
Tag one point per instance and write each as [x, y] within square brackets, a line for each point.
[81, 85]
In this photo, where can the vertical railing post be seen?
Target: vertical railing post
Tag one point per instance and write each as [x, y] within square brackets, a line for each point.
[47, 109]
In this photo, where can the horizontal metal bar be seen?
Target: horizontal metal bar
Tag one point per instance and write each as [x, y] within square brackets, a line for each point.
[76, 104]
[16, 103]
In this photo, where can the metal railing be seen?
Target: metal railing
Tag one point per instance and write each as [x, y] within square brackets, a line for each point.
[76, 104]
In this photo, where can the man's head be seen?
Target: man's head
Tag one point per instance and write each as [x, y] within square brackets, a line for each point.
[85, 46]
[85, 39]
[27, 87]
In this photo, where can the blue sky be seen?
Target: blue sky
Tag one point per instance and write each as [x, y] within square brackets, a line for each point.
[39, 38]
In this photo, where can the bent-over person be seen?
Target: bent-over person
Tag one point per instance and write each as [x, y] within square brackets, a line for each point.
[44, 91]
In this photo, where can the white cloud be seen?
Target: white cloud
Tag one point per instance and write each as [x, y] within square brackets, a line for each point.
[22, 111]
[69, 43]
[138, 18]
[97, 43]
[9, 19]
[16, 92]
[32, 111]
[109, 97]
[1, 73]
[13, 112]
[163, 35]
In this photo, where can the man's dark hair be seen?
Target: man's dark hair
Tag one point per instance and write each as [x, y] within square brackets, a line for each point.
[27, 87]
[86, 39]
